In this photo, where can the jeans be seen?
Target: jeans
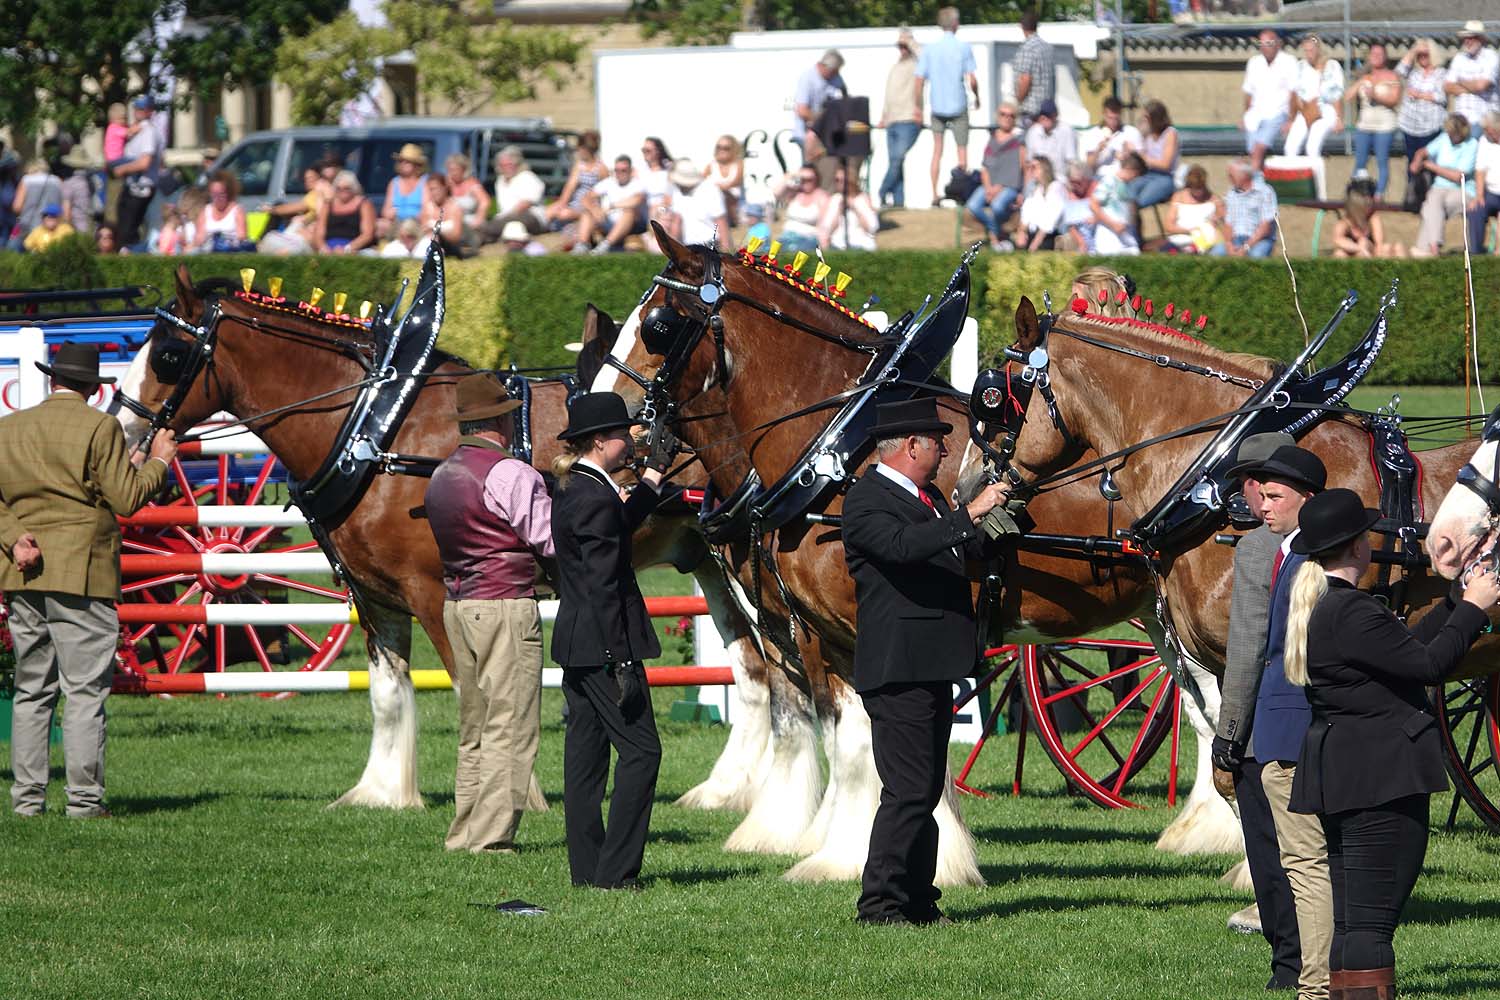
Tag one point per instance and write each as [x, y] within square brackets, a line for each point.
[1478, 221]
[993, 214]
[1261, 248]
[1380, 144]
[1374, 857]
[899, 139]
[1152, 188]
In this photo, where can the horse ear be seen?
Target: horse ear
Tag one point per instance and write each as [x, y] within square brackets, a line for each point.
[599, 333]
[1028, 329]
[678, 254]
[188, 305]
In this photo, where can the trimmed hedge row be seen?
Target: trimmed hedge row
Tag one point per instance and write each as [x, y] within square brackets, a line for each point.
[523, 310]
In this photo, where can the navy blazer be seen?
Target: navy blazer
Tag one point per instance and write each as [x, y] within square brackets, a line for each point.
[601, 615]
[1281, 711]
[914, 618]
[1374, 738]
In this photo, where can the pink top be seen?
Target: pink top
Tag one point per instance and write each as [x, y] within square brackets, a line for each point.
[515, 493]
[114, 141]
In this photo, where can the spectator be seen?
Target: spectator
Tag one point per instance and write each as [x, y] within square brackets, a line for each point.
[1078, 210]
[587, 171]
[117, 132]
[1376, 95]
[1359, 232]
[410, 242]
[39, 187]
[1114, 213]
[1320, 87]
[1195, 215]
[616, 208]
[817, 86]
[221, 223]
[1486, 200]
[656, 166]
[1041, 206]
[143, 152]
[1047, 137]
[1161, 151]
[756, 226]
[406, 194]
[943, 70]
[51, 229]
[519, 194]
[727, 172]
[799, 226]
[1270, 80]
[1093, 280]
[1450, 159]
[298, 235]
[469, 195]
[346, 222]
[77, 193]
[1424, 105]
[517, 239]
[10, 178]
[1473, 75]
[441, 214]
[854, 230]
[1103, 145]
[1036, 78]
[901, 117]
[107, 240]
[700, 206]
[189, 207]
[1002, 174]
[1250, 213]
[172, 238]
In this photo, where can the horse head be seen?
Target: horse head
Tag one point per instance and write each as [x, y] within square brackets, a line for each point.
[1466, 527]
[1051, 433]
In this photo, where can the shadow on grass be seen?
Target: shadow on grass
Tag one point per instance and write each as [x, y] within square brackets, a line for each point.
[1448, 911]
[143, 805]
[1022, 834]
[1059, 904]
[696, 876]
[1463, 980]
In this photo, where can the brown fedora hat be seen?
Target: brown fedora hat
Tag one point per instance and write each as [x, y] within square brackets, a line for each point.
[482, 395]
[78, 363]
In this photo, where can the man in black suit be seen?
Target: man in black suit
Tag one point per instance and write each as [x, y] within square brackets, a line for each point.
[915, 634]
[600, 638]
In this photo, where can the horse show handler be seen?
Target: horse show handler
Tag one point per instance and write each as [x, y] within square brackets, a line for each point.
[1273, 913]
[492, 519]
[64, 475]
[915, 634]
[601, 636]
[1372, 757]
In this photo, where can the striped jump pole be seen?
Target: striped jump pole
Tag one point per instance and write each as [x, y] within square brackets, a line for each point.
[215, 516]
[242, 443]
[230, 613]
[319, 681]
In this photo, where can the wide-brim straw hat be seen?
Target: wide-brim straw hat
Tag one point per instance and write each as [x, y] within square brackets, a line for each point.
[685, 173]
[412, 153]
[1472, 29]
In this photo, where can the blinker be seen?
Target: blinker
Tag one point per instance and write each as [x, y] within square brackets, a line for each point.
[1491, 430]
[661, 329]
[168, 361]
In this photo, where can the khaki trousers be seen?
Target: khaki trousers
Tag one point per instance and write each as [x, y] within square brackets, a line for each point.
[497, 664]
[1304, 855]
[63, 643]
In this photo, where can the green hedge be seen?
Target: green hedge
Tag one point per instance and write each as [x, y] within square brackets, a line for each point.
[523, 310]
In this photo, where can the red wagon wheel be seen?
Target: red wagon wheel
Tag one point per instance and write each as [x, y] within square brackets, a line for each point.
[1467, 713]
[178, 648]
[1101, 722]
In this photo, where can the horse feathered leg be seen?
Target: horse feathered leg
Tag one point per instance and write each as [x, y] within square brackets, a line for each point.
[390, 777]
[788, 796]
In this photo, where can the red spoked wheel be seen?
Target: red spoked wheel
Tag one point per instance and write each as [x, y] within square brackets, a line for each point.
[1467, 711]
[1003, 662]
[223, 481]
[1102, 708]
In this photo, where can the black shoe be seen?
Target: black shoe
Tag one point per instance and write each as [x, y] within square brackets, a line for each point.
[931, 917]
[897, 919]
[1277, 984]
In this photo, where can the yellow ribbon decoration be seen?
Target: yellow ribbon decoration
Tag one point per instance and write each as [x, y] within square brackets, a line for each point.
[843, 281]
[247, 277]
[339, 298]
[820, 272]
[775, 249]
[798, 261]
[364, 309]
[315, 297]
[275, 285]
[754, 244]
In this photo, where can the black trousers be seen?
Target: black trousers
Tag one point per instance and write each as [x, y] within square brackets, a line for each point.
[909, 727]
[1273, 893]
[597, 856]
[1374, 858]
[131, 216]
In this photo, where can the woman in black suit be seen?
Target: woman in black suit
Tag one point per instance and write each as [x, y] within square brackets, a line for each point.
[1371, 758]
[600, 638]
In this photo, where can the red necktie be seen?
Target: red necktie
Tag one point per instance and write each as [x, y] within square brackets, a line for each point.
[1276, 566]
[922, 496]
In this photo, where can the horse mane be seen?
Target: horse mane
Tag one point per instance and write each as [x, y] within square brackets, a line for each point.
[1128, 328]
[825, 297]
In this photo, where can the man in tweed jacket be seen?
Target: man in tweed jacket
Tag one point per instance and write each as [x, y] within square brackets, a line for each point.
[64, 476]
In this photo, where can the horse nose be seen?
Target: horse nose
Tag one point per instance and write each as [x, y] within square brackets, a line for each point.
[1444, 552]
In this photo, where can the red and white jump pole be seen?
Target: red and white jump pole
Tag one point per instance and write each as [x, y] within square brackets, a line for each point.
[319, 681]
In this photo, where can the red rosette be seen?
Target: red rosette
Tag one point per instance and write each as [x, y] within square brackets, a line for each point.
[1080, 305]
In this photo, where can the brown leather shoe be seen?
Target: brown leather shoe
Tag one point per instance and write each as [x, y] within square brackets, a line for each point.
[1370, 984]
[1336, 984]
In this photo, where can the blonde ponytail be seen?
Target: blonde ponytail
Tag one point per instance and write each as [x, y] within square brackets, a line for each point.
[1308, 588]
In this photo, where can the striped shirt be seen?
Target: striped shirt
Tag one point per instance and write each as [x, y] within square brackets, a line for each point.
[1246, 210]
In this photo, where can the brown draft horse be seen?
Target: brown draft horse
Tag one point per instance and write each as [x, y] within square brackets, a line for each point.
[268, 358]
[772, 369]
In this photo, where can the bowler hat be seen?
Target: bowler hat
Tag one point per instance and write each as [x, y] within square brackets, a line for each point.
[911, 416]
[1257, 448]
[77, 363]
[482, 395]
[594, 412]
[1331, 520]
[1288, 464]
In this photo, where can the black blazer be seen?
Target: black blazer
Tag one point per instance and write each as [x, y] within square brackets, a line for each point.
[915, 612]
[601, 615]
[1373, 737]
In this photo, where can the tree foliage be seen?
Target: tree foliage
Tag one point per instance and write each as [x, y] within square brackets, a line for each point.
[234, 42]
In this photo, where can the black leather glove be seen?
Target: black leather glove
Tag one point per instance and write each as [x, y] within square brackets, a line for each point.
[1227, 755]
[661, 448]
[630, 678]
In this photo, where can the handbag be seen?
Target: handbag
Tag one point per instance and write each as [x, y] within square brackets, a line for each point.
[1417, 186]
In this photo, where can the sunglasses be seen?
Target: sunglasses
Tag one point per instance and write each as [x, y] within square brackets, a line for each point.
[807, 180]
[1006, 114]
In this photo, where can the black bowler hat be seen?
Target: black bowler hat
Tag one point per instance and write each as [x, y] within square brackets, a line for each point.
[912, 416]
[594, 412]
[1331, 520]
[1288, 464]
[77, 363]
